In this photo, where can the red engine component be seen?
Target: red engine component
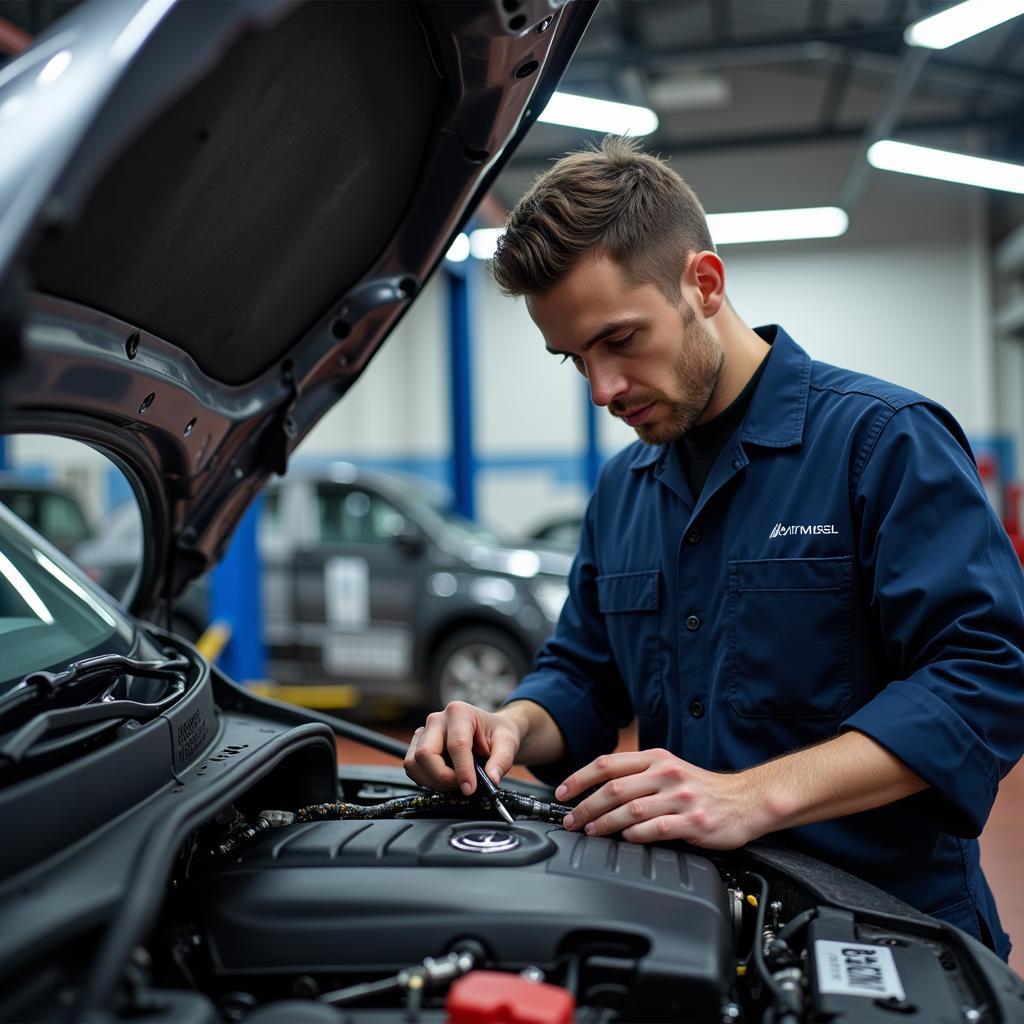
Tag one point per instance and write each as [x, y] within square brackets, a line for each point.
[490, 997]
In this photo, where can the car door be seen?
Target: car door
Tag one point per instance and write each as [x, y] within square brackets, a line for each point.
[358, 582]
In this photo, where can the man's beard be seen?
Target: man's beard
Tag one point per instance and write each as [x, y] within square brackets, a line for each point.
[698, 370]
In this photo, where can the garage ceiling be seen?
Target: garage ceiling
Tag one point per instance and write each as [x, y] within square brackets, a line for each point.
[749, 77]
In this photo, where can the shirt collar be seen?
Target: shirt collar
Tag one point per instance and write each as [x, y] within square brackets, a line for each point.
[775, 418]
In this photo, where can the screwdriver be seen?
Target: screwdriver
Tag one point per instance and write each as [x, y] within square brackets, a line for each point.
[492, 791]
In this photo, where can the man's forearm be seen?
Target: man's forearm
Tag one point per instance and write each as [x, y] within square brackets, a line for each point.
[845, 775]
[541, 740]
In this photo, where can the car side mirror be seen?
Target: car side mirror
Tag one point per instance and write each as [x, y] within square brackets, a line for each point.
[411, 539]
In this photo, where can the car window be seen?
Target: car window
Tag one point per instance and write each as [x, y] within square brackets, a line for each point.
[351, 515]
[48, 615]
[61, 520]
[81, 502]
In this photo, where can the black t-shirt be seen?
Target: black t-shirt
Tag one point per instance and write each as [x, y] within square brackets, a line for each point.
[700, 445]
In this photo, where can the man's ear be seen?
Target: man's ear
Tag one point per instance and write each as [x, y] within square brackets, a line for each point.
[703, 281]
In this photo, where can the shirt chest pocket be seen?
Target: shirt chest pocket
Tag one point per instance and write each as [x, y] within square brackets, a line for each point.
[628, 602]
[790, 622]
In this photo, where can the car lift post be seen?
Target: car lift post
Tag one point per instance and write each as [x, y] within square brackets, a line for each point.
[235, 600]
[459, 280]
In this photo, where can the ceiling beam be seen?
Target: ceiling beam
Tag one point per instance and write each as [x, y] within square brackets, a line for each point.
[875, 49]
[801, 136]
[884, 123]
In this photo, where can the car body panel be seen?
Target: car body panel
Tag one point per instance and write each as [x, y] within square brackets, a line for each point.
[199, 429]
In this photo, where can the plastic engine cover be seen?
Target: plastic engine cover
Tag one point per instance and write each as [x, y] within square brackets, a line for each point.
[357, 898]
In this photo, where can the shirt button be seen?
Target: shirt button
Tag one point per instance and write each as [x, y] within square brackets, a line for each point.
[693, 537]
[737, 463]
[692, 623]
[697, 709]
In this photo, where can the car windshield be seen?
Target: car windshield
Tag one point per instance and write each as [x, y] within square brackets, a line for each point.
[48, 614]
[437, 503]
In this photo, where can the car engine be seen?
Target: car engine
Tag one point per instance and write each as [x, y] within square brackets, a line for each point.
[394, 905]
[644, 930]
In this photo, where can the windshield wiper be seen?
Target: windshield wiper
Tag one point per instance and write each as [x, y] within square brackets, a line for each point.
[41, 689]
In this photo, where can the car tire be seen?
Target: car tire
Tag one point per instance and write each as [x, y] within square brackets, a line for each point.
[478, 664]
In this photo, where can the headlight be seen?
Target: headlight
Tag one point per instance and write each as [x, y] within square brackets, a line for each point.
[550, 595]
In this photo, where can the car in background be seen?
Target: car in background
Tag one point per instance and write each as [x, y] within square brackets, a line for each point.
[561, 533]
[50, 509]
[370, 581]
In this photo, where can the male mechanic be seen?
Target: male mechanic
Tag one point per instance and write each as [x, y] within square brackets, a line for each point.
[793, 579]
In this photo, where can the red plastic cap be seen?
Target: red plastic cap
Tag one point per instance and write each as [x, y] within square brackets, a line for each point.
[490, 997]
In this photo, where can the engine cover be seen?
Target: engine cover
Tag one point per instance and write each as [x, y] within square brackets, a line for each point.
[357, 898]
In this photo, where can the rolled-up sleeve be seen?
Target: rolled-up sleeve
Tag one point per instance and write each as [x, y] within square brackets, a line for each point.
[947, 592]
[575, 677]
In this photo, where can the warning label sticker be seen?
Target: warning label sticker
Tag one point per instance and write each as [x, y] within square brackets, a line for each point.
[850, 969]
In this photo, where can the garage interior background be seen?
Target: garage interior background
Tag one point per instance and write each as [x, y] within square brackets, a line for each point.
[761, 105]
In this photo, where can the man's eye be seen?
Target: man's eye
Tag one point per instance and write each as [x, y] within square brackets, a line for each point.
[620, 343]
[575, 359]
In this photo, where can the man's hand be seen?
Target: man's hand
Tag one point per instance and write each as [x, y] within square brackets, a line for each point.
[462, 730]
[652, 796]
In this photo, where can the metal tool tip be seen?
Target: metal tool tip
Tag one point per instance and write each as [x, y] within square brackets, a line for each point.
[504, 812]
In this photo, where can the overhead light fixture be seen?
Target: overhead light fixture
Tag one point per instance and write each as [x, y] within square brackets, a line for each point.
[938, 163]
[599, 115]
[690, 90]
[459, 249]
[955, 24]
[777, 225]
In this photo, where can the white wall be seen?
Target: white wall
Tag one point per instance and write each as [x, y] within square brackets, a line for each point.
[399, 406]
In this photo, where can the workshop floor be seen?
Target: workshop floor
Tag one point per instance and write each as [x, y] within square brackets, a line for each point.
[1002, 844]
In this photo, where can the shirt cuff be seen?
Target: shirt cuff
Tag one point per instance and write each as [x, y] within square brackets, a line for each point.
[585, 732]
[928, 736]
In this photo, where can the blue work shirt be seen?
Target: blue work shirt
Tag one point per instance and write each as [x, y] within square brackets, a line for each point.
[841, 569]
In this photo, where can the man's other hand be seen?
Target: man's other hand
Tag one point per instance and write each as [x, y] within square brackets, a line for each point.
[461, 730]
[652, 796]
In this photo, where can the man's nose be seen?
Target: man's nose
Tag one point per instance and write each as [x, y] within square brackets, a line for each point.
[606, 384]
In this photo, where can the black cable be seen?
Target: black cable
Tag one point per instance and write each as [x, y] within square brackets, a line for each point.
[780, 1012]
[407, 806]
[797, 924]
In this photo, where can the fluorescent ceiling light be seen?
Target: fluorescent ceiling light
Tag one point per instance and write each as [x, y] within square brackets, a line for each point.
[937, 163]
[459, 249]
[955, 24]
[689, 91]
[777, 225]
[599, 115]
[484, 241]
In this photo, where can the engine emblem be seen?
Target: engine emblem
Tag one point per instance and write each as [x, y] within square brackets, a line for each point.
[490, 841]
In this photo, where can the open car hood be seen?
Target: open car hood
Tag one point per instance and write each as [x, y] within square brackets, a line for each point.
[212, 215]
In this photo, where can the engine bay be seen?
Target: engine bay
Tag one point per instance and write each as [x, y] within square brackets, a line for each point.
[423, 915]
[264, 884]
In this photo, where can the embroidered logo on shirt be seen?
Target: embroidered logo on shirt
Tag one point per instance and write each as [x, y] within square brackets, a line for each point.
[788, 531]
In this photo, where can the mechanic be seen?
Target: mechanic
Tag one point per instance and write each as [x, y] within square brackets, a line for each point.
[793, 580]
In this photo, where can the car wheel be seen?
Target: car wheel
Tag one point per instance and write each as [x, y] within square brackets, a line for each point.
[479, 665]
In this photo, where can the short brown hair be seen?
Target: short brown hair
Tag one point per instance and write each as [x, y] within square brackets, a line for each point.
[617, 200]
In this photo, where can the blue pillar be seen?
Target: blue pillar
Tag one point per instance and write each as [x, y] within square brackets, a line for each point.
[3, 452]
[235, 600]
[592, 453]
[463, 459]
